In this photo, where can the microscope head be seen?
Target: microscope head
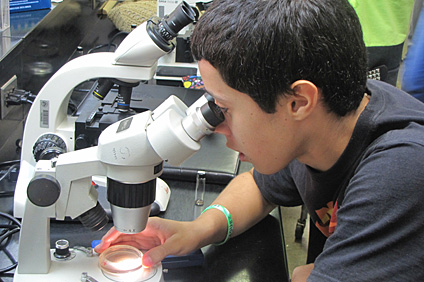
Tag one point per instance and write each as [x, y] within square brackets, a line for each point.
[154, 38]
[169, 136]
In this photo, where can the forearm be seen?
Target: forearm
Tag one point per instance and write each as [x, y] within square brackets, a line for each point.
[301, 273]
[243, 200]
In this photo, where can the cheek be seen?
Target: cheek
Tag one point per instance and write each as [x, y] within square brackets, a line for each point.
[262, 146]
[250, 135]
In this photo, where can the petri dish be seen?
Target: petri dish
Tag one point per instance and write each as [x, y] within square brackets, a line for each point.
[123, 263]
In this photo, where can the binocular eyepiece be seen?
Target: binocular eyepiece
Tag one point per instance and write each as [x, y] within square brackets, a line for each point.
[168, 27]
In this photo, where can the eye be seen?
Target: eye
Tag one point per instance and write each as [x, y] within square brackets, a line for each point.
[223, 110]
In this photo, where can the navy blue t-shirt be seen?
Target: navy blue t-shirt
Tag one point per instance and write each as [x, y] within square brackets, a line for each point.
[370, 203]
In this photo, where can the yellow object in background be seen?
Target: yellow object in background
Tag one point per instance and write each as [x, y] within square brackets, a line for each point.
[128, 13]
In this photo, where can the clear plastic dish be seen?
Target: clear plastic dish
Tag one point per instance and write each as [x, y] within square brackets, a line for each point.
[123, 263]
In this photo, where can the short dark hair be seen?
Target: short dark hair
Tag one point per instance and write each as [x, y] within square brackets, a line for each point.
[260, 47]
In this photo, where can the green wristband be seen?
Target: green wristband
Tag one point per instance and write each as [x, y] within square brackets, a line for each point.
[229, 221]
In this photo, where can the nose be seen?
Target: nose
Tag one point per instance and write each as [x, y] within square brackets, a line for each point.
[223, 128]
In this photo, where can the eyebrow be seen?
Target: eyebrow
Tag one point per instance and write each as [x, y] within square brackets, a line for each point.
[209, 92]
[220, 99]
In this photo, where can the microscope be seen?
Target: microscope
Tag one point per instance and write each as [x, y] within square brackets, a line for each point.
[55, 181]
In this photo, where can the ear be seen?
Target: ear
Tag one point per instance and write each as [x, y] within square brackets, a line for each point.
[305, 99]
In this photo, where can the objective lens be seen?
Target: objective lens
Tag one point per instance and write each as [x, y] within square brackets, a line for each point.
[123, 263]
[94, 219]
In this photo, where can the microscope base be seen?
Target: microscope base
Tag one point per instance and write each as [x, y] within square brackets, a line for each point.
[73, 269]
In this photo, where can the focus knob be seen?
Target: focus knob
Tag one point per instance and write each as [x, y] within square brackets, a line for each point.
[43, 190]
[48, 146]
[82, 141]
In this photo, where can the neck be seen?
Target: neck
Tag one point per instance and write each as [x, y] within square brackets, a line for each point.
[330, 138]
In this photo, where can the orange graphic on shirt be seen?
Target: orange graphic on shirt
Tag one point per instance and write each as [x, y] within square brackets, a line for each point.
[328, 218]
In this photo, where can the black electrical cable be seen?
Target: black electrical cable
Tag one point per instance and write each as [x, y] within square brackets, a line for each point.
[6, 163]
[6, 275]
[19, 97]
[110, 44]
[3, 174]
[95, 48]
[121, 33]
[11, 218]
[7, 173]
[5, 238]
[4, 194]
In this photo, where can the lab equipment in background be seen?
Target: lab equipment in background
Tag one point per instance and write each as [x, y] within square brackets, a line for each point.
[27, 5]
[180, 62]
[199, 193]
[4, 15]
[130, 152]
[49, 130]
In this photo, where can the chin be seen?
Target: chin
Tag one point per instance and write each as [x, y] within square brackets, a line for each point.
[267, 169]
[266, 172]
[262, 170]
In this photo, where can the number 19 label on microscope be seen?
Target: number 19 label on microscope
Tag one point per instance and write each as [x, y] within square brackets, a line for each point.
[44, 114]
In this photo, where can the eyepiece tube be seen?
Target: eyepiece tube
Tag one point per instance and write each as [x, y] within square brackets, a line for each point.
[212, 114]
[179, 18]
[168, 27]
[203, 120]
